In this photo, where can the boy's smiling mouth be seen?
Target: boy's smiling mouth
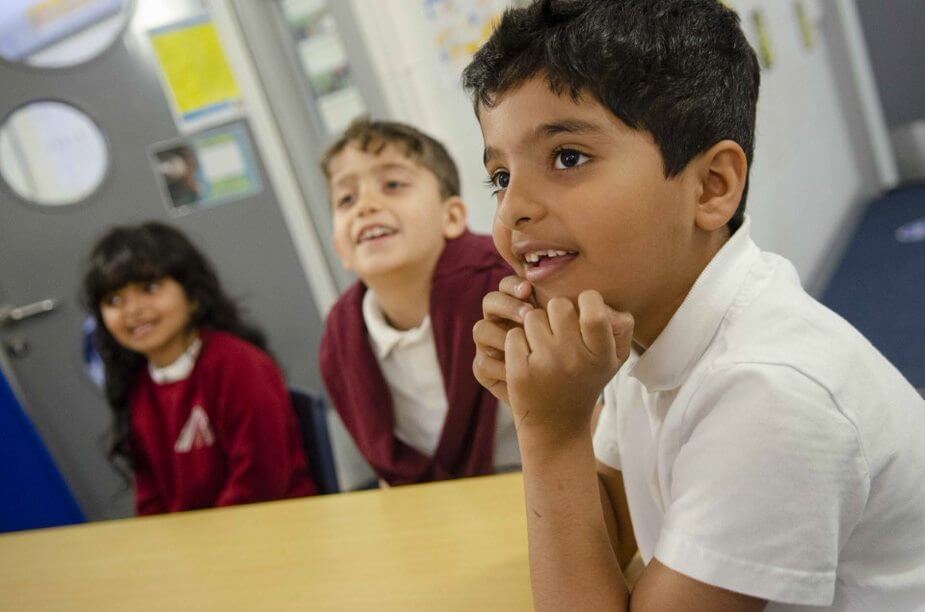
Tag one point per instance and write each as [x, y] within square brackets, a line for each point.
[542, 261]
[374, 232]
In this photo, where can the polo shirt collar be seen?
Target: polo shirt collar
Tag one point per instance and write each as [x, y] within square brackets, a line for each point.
[179, 369]
[670, 359]
[383, 337]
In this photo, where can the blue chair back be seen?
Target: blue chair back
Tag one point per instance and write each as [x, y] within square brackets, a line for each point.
[311, 413]
[33, 493]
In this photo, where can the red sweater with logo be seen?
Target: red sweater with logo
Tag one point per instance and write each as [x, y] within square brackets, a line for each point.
[225, 435]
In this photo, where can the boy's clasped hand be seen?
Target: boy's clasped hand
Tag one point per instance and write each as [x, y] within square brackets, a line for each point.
[549, 364]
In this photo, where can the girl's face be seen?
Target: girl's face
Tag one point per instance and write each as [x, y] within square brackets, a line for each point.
[152, 318]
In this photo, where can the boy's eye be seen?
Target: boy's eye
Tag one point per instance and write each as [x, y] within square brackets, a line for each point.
[344, 201]
[500, 180]
[569, 158]
[394, 184]
[111, 300]
[152, 287]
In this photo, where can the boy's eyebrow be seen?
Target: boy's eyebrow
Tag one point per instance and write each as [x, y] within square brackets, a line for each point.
[567, 126]
[343, 178]
[548, 130]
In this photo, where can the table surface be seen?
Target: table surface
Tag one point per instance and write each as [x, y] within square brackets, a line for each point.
[454, 545]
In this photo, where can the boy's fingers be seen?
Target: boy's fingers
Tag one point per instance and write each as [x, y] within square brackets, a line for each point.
[536, 329]
[488, 370]
[516, 287]
[562, 315]
[490, 374]
[595, 322]
[622, 325]
[489, 334]
[516, 351]
[499, 306]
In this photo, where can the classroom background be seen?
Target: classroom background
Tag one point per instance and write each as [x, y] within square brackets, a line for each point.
[99, 99]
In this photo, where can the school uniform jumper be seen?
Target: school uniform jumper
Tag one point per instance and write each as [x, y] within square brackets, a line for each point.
[225, 434]
[467, 270]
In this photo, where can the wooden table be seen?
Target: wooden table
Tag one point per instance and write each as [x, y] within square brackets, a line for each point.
[458, 545]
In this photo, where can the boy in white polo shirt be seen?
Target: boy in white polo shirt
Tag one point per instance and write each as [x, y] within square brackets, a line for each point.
[757, 449]
[397, 351]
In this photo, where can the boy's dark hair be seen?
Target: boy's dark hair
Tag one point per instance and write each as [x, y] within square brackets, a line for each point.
[679, 69]
[373, 136]
[143, 253]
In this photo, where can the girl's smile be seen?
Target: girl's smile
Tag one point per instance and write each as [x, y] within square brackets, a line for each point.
[152, 318]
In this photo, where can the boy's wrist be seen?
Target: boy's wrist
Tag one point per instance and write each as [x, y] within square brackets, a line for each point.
[541, 442]
[555, 426]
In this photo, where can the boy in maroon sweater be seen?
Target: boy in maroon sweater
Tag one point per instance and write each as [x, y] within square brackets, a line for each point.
[397, 351]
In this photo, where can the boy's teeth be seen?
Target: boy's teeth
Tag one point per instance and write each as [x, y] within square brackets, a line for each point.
[374, 232]
[536, 255]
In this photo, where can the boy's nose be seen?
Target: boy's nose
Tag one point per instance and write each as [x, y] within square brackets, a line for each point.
[367, 203]
[519, 207]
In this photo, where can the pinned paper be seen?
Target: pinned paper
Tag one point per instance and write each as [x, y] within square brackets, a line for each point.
[195, 70]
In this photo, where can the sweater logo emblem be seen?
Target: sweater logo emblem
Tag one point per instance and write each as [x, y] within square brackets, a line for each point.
[197, 433]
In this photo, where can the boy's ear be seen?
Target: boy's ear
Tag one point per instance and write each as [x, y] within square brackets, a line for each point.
[454, 217]
[723, 173]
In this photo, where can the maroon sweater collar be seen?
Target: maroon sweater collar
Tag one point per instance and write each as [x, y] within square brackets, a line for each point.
[469, 267]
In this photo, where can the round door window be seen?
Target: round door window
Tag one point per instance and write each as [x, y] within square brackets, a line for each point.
[59, 33]
[52, 154]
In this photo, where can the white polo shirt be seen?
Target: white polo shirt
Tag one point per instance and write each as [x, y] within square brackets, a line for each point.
[767, 447]
[408, 360]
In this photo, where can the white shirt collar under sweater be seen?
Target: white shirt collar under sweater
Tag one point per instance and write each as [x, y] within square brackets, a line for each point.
[411, 369]
[384, 337]
[179, 369]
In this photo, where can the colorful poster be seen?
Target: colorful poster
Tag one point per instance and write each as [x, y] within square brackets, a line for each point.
[212, 167]
[196, 74]
[460, 28]
[323, 56]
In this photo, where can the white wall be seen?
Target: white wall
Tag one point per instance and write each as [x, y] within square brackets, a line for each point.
[420, 91]
[815, 161]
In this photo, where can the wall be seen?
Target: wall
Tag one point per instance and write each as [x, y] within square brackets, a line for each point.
[894, 32]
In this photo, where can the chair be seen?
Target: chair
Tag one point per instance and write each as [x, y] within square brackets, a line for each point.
[311, 413]
[33, 492]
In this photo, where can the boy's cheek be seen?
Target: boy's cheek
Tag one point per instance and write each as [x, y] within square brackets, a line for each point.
[505, 251]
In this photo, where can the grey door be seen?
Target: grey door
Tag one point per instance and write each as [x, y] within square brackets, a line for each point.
[41, 249]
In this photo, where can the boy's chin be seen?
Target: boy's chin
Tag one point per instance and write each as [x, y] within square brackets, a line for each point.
[379, 271]
[542, 296]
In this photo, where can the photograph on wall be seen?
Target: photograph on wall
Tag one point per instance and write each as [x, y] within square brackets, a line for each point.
[209, 168]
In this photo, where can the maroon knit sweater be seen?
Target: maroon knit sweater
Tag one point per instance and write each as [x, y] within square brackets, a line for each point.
[469, 268]
[226, 435]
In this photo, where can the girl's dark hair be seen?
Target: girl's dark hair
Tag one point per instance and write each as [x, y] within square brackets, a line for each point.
[138, 254]
[679, 69]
